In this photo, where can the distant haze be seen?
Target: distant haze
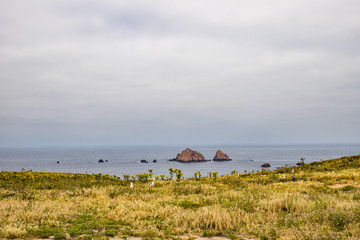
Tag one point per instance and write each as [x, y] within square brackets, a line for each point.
[179, 72]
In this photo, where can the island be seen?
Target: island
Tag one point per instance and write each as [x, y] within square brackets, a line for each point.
[189, 155]
[220, 156]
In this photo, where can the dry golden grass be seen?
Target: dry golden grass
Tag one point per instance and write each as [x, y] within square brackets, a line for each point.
[305, 205]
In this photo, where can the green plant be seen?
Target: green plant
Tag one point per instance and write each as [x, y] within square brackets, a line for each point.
[110, 233]
[150, 173]
[171, 170]
[208, 234]
[46, 232]
[347, 188]
[214, 174]
[197, 175]
[338, 219]
[143, 177]
[187, 204]
[178, 174]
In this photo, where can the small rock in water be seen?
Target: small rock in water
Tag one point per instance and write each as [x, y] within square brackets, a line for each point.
[154, 160]
[144, 161]
[265, 165]
[100, 161]
[57, 162]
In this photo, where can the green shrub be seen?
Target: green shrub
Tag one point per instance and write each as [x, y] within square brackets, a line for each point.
[347, 188]
[46, 232]
[187, 204]
[338, 219]
[126, 177]
[197, 175]
[178, 174]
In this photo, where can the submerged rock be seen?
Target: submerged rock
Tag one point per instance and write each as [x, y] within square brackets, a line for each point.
[266, 165]
[220, 156]
[189, 155]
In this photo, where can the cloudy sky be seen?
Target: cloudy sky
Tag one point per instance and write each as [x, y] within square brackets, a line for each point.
[108, 72]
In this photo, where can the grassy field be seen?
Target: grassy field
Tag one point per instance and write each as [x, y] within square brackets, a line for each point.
[313, 201]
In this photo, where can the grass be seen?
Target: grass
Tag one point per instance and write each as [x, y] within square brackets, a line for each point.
[317, 201]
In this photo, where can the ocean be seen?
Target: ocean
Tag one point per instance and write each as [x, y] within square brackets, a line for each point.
[126, 160]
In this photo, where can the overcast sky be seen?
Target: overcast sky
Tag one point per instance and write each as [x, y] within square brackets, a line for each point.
[76, 72]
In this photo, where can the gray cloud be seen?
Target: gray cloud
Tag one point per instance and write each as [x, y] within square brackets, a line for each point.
[159, 72]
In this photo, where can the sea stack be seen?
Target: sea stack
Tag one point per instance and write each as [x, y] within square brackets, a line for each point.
[220, 156]
[189, 155]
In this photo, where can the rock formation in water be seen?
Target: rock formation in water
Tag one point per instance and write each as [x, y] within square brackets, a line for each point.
[266, 165]
[101, 161]
[144, 161]
[189, 155]
[220, 156]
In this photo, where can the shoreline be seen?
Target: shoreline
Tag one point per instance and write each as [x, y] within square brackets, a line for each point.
[310, 199]
[127, 161]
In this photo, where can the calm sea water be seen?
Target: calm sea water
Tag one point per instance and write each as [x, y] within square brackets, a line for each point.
[126, 160]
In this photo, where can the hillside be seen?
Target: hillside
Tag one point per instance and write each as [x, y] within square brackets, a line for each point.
[314, 201]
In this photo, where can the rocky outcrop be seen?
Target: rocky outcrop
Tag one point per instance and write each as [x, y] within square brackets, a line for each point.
[154, 161]
[100, 161]
[266, 165]
[144, 161]
[189, 155]
[300, 163]
[220, 156]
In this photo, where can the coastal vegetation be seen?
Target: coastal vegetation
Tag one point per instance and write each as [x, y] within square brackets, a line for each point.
[311, 201]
